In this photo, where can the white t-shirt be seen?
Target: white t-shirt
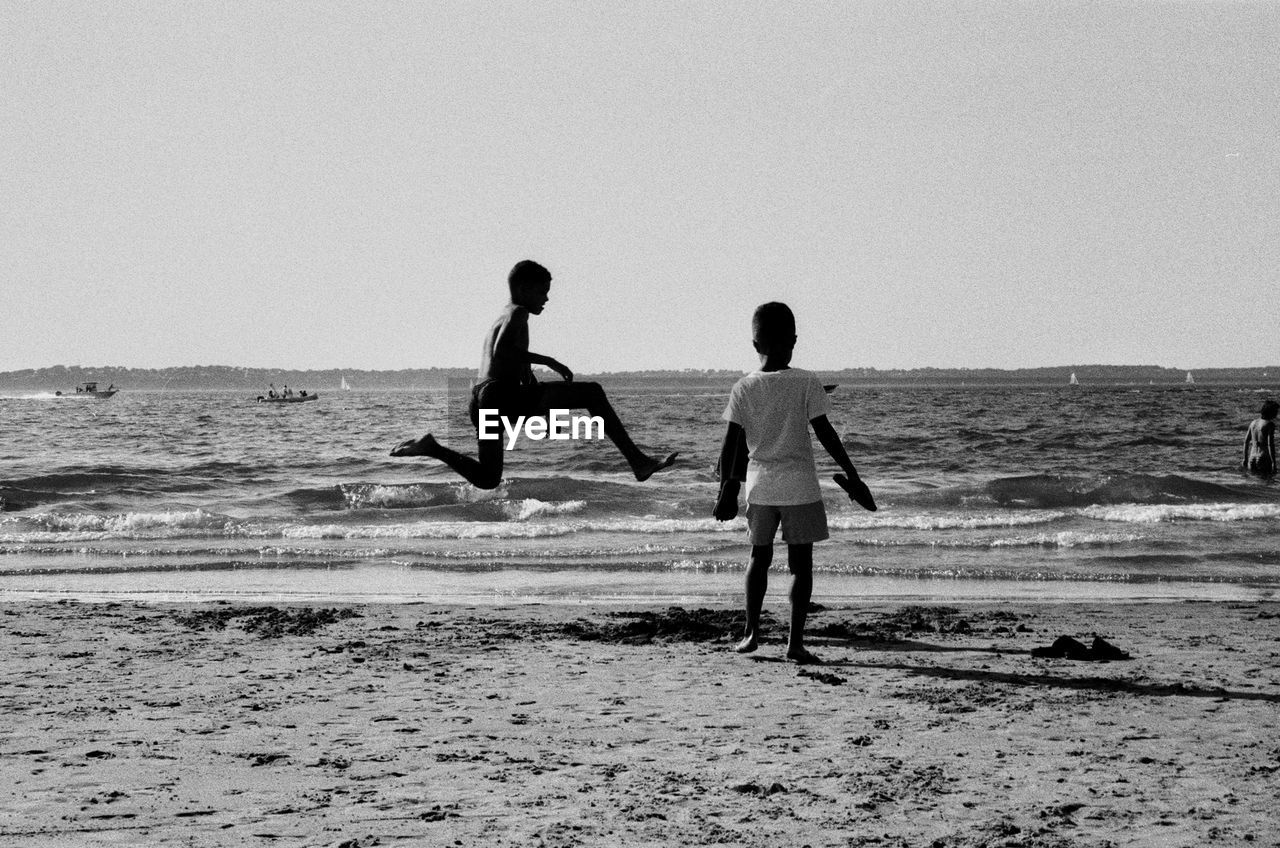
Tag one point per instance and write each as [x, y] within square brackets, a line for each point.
[774, 408]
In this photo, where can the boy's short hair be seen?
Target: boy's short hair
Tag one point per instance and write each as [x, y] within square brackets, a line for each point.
[773, 322]
[1269, 409]
[528, 272]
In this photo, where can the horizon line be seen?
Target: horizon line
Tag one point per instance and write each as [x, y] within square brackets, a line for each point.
[354, 369]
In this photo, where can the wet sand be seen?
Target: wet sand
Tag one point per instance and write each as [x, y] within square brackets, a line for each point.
[224, 724]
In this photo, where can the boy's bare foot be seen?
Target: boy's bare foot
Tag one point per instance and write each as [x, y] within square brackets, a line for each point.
[426, 446]
[746, 646]
[800, 656]
[858, 491]
[648, 468]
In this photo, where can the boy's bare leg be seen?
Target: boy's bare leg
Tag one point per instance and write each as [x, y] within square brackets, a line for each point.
[591, 397]
[483, 473]
[800, 559]
[757, 583]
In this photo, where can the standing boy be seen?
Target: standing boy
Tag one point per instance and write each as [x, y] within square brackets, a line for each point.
[769, 414]
[508, 386]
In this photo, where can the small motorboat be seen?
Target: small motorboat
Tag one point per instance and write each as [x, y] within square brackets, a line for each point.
[298, 398]
[90, 389]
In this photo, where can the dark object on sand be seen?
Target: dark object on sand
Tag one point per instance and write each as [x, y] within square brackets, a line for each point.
[1064, 646]
[1104, 650]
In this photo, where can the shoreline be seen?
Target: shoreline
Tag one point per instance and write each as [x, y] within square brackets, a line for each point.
[634, 724]
[369, 583]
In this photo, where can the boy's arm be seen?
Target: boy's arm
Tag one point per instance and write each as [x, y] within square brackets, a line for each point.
[831, 441]
[849, 481]
[555, 365]
[735, 440]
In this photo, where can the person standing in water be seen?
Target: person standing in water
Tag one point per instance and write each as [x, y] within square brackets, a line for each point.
[1260, 441]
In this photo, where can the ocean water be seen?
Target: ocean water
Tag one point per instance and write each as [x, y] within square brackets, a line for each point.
[1048, 492]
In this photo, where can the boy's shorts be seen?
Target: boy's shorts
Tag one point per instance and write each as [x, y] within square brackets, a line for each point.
[802, 524]
[512, 400]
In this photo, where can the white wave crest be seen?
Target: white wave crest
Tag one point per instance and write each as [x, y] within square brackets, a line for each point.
[1066, 539]
[941, 521]
[593, 553]
[427, 530]
[1156, 513]
[131, 522]
[358, 497]
[73, 527]
[384, 495]
[508, 529]
[466, 493]
[532, 508]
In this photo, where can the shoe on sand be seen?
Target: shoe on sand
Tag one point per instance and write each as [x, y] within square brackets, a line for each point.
[1103, 650]
[1064, 646]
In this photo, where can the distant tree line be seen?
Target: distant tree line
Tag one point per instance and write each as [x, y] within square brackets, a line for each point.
[195, 377]
[211, 377]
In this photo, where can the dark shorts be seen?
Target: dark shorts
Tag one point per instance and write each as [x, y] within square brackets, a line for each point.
[802, 524]
[512, 400]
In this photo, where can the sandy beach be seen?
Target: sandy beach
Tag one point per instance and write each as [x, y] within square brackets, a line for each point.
[563, 725]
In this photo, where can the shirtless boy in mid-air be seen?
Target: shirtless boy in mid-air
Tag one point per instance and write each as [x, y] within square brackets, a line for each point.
[507, 385]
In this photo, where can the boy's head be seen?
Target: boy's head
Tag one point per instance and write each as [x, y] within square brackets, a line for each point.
[773, 328]
[1269, 410]
[529, 283]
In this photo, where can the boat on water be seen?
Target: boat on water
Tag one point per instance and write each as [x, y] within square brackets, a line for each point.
[1073, 381]
[1190, 380]
[90, 390]
[346, 387]
[299, 398]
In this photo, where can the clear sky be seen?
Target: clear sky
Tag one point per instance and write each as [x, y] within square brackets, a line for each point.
[345, 184]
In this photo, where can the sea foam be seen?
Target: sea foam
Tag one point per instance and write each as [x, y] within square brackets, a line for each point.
[940, 521]
[1156, 513]
[129, 522]
[508, 529]
[523, 510]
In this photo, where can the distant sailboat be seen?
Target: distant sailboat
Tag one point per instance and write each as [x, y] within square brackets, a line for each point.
[1190, 379]
[345, 386]
[1073, 381]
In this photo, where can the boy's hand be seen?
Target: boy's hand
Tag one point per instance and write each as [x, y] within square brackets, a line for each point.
[726, 507]
[727, 501]
[561, 369]
[857, 491]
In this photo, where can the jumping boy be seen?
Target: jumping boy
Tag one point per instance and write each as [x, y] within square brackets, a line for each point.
[1260, 441]
[769, 414]
[508, 386]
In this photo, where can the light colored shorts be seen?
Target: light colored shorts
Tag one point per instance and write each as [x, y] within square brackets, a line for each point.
[802, 524]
